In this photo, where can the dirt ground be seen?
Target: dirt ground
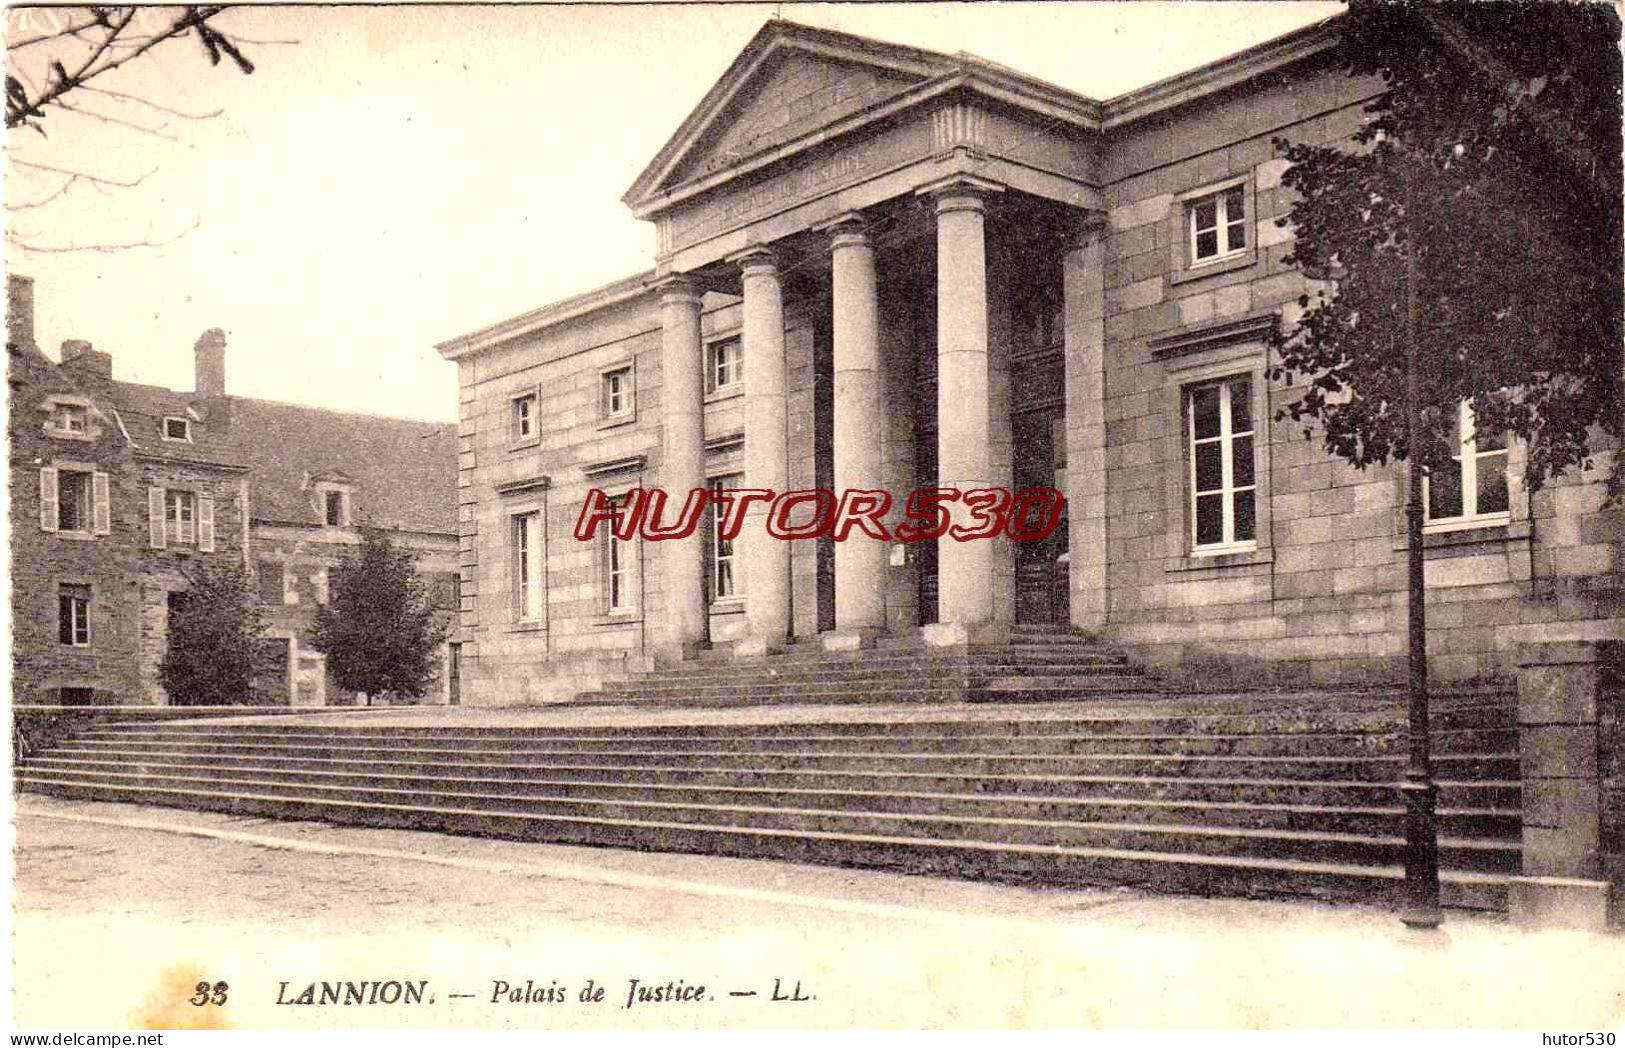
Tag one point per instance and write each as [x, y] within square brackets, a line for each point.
[139, 905]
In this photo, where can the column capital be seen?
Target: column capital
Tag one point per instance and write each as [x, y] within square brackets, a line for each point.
[678, 288]
[959, 192]
[757, 257]
[847, 228]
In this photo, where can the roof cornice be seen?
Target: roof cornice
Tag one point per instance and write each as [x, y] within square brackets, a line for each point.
[623, 290]
[1194, 84]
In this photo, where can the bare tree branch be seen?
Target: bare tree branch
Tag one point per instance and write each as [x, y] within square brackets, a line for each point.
[58, 249]
[149, 103]
[72, 30]
[63, 188]
[88, 177]
[156, 132]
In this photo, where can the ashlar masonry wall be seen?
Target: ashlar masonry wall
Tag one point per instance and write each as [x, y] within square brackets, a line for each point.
[1321, 599]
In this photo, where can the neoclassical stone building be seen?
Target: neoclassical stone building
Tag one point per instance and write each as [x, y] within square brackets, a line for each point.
[882, 267]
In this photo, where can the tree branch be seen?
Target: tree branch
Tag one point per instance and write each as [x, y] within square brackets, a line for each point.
[138, 100]
[94, 179]
[63, 188]
[59, 249]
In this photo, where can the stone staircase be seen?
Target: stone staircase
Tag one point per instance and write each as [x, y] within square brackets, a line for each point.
[1245, 795]
[1037, 664]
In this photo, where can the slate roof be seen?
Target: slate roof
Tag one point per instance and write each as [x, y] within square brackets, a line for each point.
[402, 472]
[142, 410]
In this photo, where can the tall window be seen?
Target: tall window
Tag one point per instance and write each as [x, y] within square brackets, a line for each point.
[726, 364]
[1218, 224]
[180, 517]
[1472, 488]
[1220, 437]
[527, 566]
[617, 557]
[617, 394]
[337, 513]
[523, 422]
[724, 584]
[73, 495]
[73, 615]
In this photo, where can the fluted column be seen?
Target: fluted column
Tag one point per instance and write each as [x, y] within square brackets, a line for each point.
[964, 569]
[766, 560]
[682, 398]
[860, 560]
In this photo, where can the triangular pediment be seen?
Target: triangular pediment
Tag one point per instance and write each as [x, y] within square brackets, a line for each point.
[791, 80]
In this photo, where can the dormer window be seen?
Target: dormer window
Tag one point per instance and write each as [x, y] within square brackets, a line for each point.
[336, 505]
[178, 429]
[71, 418]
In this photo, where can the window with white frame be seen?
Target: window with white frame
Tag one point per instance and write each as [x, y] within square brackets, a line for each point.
[725, 364]
[618, 558]
[616, 396]
[527, 566]
[70, 418]
[1472, 489]
[73, 615]
[180, 517]
[177, 429]
[1219, 435]
[522, 424]
[724, 582]
[1217, 224]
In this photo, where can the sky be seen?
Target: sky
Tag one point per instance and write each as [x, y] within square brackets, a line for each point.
[389, 178]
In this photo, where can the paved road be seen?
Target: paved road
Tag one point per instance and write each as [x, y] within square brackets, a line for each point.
[119, 916]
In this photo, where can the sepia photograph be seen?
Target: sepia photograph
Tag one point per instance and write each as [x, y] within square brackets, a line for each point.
[758, 516]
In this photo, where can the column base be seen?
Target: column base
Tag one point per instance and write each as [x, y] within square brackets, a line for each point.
[960, 634]
[753, 644]
[1558, 902]
[853, 638]
[670, 654]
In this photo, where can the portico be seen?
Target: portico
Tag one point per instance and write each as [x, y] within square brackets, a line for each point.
[938, 236]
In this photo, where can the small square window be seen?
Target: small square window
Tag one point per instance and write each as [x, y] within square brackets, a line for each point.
[1217, 225]
[177, 429]
[73, 615]
[617, 394]
[524, 418]
[71, 418]
[725, 365]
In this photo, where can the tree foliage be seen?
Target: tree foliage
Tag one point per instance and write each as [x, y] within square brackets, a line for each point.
[214, 650]
[378, 628]
[1494, 154]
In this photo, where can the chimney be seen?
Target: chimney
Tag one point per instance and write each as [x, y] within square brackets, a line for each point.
[19, 310]
[78, 355]
[209, 378]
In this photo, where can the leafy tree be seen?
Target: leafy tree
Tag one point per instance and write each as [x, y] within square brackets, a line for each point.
[378, 628]
[1494, 157]
[214, 650]
[1468, 248]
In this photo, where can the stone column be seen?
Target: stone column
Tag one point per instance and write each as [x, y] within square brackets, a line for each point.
[1569, 726]
[1084, 315]
[766, 561]
[964, 569]
[860, 560]
[682, 398]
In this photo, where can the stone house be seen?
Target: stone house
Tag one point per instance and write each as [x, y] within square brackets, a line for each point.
[884, 267]
[119, 489]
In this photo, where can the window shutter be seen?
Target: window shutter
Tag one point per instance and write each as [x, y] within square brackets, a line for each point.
[155, 517]
[47, 498]
[205, 523]
[103, 516]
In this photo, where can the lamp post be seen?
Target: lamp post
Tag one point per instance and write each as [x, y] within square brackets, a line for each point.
[1421, 904]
